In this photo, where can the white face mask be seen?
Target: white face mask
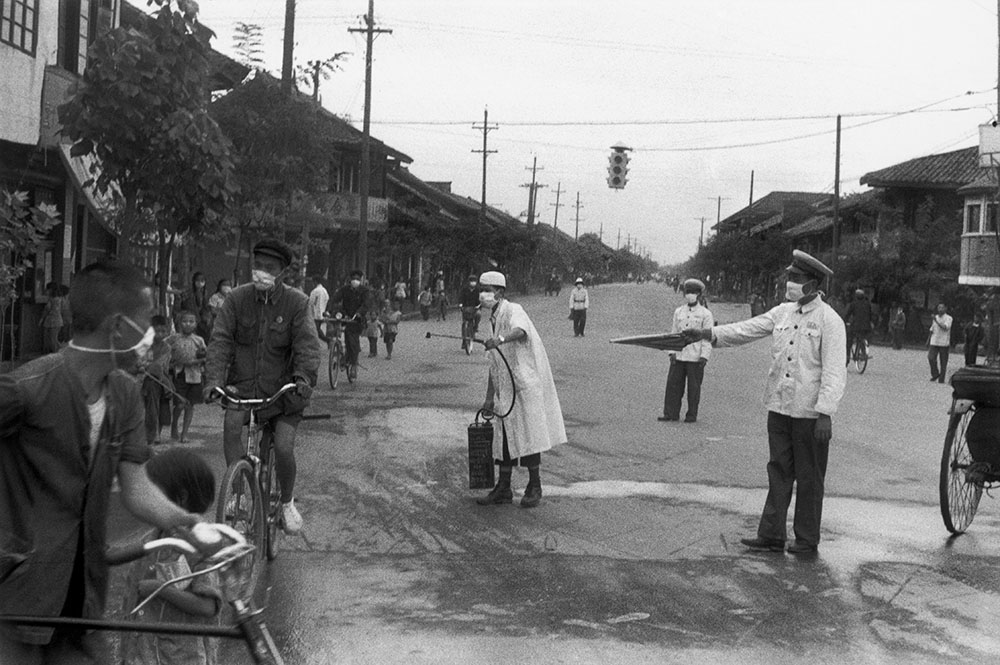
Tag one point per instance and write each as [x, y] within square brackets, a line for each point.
[487, 298]
[691, 298]
[139, 350]
[793, 292]
[263, 280]
[355, 283]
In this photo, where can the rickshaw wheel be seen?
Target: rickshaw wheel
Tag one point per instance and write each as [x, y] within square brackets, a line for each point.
[959, 498]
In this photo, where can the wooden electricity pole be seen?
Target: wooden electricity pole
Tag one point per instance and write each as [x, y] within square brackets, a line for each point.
[576, 233]
[486, 153]
[288, 50]
[557, 205]
[366, 158]
[836, 212]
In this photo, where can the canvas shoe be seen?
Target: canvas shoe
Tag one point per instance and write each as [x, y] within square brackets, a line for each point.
[291, 521]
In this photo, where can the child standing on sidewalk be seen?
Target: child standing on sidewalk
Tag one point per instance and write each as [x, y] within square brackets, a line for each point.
[373, 330]
[391, 316]
[156, 381]
[186, 479]
[187, 362]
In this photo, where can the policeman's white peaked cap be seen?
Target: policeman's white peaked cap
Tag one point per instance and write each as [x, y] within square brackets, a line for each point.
[693, 284]
[493, 278]
[809, 265]
[579, 280]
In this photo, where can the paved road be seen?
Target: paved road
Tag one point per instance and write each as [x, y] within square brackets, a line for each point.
[634, 555]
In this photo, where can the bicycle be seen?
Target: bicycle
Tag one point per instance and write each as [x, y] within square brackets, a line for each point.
[253, 480]
[248, 623]
[859, 353]
[335, 346]
[470, 323]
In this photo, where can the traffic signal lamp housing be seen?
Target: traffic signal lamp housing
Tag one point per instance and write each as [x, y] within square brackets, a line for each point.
[618, 167]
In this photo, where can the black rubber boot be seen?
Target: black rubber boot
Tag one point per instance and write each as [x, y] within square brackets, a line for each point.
[502, 492]
[533, 492]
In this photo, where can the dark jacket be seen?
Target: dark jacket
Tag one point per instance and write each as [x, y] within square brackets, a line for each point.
[352, 301]
[53, 501]
[262, 341]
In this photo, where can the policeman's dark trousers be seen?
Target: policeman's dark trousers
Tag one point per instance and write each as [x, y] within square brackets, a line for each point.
[579, 322]
[680, 372]
[933, 354]
[796, 458]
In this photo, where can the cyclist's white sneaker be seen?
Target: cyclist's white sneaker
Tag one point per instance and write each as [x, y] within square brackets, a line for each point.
[290, 518]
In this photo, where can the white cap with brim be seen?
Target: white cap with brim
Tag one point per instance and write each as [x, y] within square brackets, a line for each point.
[493, 278]
[693, 284]
[579, 280]
[809, 265]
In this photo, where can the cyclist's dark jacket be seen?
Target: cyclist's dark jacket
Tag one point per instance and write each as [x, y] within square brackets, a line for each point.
[262, 340]
[53, 503]
[470, 297]
[352, 301]
[859, 315]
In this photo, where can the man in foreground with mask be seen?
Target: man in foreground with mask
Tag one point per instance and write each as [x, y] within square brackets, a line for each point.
[535, 422]
[265, 337]
[804, 387]
[71, 422]
[688, 365]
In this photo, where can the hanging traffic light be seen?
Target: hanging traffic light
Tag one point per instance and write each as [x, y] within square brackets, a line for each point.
[618, 167]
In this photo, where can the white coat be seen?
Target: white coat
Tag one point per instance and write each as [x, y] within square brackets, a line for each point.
[536, 423]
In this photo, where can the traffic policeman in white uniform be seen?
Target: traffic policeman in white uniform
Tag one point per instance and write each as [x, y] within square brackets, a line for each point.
[688, 365]
[534, 423]
[804, 386]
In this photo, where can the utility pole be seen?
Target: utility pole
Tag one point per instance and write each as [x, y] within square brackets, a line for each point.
[366, 157]
[288, 53]
[836, 211]
[701, 235]
[557, 205]
[576, 233]
[618, 243]
[600, 234]
[532, 187]
[486, 153]
[751, 188]
[718, 209]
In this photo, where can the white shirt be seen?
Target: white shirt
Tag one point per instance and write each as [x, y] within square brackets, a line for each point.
[97, 411]
[808, 356]
[697, 317]
[319, 298]
[579, 298]
[941, 330]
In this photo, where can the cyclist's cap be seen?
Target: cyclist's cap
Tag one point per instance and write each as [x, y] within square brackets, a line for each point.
[859, 292]
[473, 278]
[809, 265]
[693, 285]
[579, 280]
[493, 278]
[275, 249]
[357, 273]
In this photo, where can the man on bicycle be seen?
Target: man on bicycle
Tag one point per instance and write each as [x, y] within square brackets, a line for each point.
[353, 301]
[470, 310]
[858, 319]
[265, 337]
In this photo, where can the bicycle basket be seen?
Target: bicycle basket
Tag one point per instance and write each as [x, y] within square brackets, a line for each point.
[980, 384]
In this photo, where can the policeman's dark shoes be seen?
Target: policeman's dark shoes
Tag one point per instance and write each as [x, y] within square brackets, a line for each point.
[532, 495]
[764, 544]
[666, 419]
[690, 419]
[801, 548]
[498, 495]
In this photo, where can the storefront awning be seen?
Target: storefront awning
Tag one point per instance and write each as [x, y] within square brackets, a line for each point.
[102, 206]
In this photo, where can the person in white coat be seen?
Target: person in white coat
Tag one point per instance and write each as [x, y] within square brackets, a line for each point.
[529, 418]
[688, 365]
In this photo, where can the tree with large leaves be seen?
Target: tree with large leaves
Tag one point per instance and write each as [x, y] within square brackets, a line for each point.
[141, 110]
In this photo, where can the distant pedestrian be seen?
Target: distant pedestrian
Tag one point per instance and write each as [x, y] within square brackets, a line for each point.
[196, 301]
[939, 343]
[52, 317]
[222, 289]
[973, 338]
[391, 316]
[187, 359]
[373, 330]
[804, 387]
[399, 292]
[319, 299]
[442, 305]
[157, 384]
[688, 366]
[424, 300]
[897, 326]
[579, 303]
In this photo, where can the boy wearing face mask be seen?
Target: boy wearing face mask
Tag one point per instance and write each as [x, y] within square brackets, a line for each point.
[688, 366]
[70, 423]
[265, 337]
[804, 386]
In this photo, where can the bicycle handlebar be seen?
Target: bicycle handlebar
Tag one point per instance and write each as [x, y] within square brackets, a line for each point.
[230, 400]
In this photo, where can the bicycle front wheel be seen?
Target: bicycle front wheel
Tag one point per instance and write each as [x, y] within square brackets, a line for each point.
[272, 502]
[959, 497]
[240, 506]
[860, 357]
[333, 365]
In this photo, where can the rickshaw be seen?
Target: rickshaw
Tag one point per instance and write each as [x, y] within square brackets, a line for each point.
[970, 462]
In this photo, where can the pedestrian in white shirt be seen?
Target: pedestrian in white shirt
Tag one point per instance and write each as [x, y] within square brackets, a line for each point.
[319, 298]
[688, 365]
[940, 342]
[804, 386]
[579, 303]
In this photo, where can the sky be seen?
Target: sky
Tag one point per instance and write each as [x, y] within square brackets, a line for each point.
[705, 93]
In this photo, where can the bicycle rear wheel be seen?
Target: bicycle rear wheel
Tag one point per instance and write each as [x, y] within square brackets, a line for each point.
[860, 357]
[272, 500]
[240, 506]
[333, 365]
[959, 497]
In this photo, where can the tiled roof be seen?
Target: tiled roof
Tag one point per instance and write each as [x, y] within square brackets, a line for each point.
[769, 205]
[949, 170]
[450, 203]
[814, 224]
[986, 182]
